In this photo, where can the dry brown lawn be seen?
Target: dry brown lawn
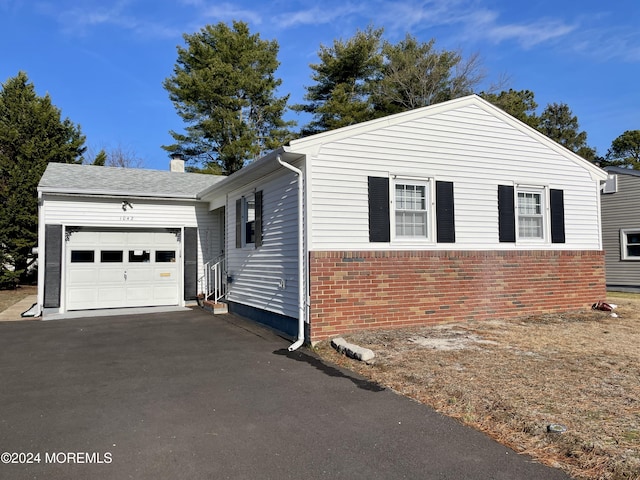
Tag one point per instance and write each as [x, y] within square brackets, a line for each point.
[512, 378]
[9, 297]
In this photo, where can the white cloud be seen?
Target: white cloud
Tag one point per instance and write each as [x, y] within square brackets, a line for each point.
[529, 34]
[319, 15]
[229, 11]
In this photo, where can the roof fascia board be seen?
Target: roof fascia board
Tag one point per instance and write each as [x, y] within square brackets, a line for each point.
[107, 194]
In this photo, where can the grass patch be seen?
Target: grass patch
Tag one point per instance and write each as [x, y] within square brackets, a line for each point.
[513, 378]
[10, 297]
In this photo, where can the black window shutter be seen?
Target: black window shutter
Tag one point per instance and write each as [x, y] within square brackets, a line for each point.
[506, 214]
[190, 243]
[258, 206]
[53, 265]
[379, 228]
[445, 218]
[557, 216]
[239, 223]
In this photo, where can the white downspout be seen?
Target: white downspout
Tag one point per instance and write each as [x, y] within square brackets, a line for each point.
[301, 296]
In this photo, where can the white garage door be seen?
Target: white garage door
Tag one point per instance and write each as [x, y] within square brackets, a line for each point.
[114, 269]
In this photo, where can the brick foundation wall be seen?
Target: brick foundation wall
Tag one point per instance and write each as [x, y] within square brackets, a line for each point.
[388, 289]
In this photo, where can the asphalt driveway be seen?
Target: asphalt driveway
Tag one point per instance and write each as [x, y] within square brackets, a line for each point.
[186, 395]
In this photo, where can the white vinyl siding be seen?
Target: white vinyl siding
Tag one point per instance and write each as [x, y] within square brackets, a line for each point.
[473, 149]
[266, 277]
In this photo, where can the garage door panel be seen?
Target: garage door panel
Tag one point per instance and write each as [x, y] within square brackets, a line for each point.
[111, 295]
[110, 238]
[82, 276]
[136, 294]
[111, 275]
[137, 274]
[80, 296]
[164, 239]
[160, 294]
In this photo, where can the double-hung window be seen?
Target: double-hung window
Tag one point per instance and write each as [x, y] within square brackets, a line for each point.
[531, 214]
[411, 209]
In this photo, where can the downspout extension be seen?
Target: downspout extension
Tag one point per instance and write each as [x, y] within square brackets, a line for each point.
[301, 310]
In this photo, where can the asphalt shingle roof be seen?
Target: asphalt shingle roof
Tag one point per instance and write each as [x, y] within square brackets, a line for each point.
[95, 180]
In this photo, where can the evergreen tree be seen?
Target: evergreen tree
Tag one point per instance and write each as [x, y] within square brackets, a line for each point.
[344, 80]
[223, 87]
[364, 78]
[625, 151]
[558, 123]
[519, 104]
[32, 134]
[101, 159]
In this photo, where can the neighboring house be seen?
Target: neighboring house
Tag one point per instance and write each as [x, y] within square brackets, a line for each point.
[452, 212]
[621, 228]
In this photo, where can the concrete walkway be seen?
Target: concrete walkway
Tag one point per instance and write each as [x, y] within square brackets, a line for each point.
[12, 314]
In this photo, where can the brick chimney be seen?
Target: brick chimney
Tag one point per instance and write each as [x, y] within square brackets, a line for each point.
[177, 163]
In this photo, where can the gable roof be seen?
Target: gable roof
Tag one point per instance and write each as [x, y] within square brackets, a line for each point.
[94, 180]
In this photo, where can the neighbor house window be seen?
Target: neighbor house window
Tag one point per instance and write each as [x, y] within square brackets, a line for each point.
[411, 209]
[630, 244]
[531, 214]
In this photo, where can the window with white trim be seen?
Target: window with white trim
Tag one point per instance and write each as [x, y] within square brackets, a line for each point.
[411, 209]
[630, 244]
[531, 208]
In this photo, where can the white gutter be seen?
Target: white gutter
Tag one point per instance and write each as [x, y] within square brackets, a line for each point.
[301, 296]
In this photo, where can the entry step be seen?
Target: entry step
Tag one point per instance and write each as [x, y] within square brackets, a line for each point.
[215, 307]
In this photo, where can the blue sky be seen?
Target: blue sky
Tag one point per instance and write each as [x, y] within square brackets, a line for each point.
[103, 61]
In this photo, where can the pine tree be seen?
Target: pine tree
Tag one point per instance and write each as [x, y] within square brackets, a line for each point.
[223, 87]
